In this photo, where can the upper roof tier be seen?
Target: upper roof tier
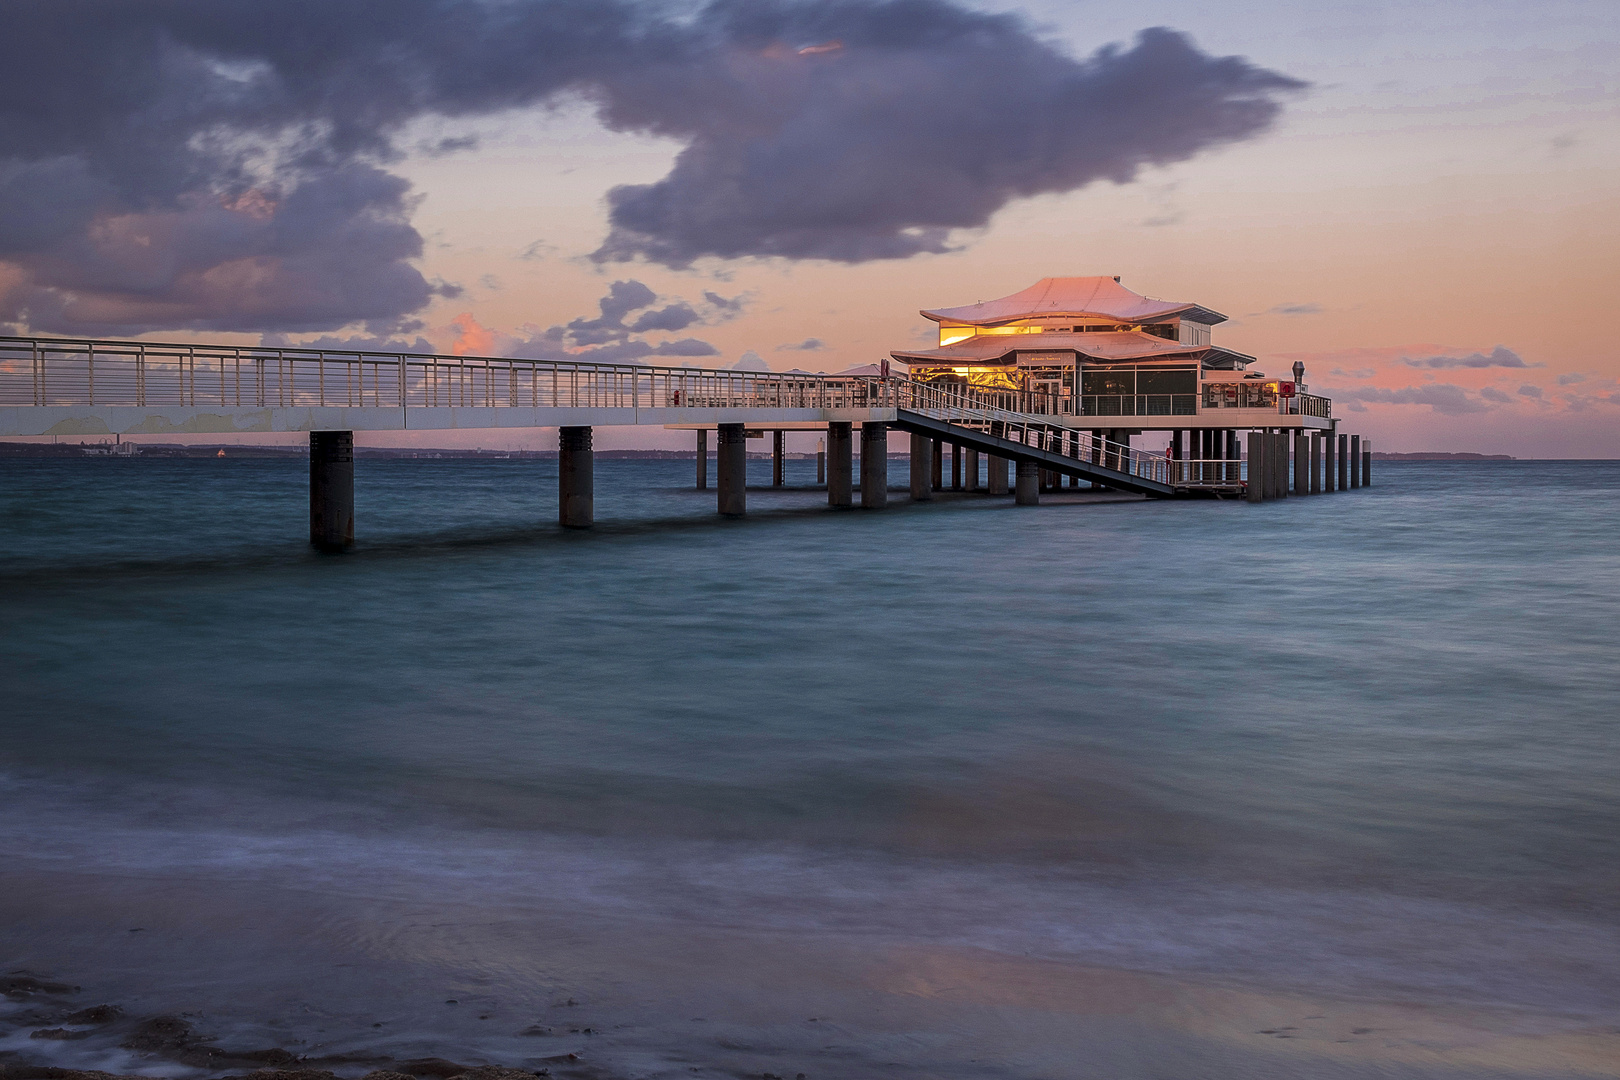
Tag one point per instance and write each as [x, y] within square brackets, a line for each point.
[1103, 297]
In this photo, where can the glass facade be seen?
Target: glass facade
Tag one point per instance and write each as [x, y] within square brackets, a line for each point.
[1139, 391]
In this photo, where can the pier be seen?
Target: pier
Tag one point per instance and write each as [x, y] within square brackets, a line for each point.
[95, 387]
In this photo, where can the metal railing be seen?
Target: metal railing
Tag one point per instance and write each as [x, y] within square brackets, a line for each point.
[1259, 395]
[53, 371]
[73, 372]
[959, 405]
[1139, 405]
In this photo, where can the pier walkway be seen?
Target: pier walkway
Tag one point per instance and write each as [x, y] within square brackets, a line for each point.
[93, 387]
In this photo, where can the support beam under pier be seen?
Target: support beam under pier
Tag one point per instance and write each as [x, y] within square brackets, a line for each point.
[576, 480]
[702, 458]
[1028, 491]
[778, 454]
[997, 465]
[971, 464]
[1302, 461]
[922, 463]
[1255, 489]
[731, 470]
[840, 464]
[874, 466]
[1355, 461]
[331, 490]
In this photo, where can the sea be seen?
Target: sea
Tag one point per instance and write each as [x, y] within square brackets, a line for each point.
[952, 789]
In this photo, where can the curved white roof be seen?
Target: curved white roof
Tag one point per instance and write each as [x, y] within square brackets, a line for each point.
[1100, 296]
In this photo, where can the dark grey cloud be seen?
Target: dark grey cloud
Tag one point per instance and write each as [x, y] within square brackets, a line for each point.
[224, 164]
[1491, 393]
[807, 345]
[1446, 398]
[674, 317]
[1501, 357]
[1570, 378]
[609, 338]
[1294, 309]
[1529, 391]
[920, 118]
[725, 307]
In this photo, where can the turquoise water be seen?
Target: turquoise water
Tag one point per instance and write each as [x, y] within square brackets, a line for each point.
[1361, 745]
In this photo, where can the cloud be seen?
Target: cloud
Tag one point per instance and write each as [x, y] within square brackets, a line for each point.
[726, 309]
[1447, 398]
[913, 130]
[223, 164]
[536, 251]
[355, 343]
[1530, 391]
[1491, 393]
[1501, 357]
[1570, 378]
[807, 345]
[1293, 309]
[609, 338]
[675, 317]
[751, 361]
[1354, 373]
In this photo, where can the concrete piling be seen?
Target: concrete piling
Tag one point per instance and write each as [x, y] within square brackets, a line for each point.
[1355, 461]
[821, 461]
[971, 464]
[1344, 462]
[331, 490]
[874, 466]
[1316, 463]
[1366, 463]
[1255, 490]
[1327, 461]
[997, 466]
[1027, 492]
[731, 470]
[938, 464]
[778, 457]
[1302, 463]
[576, 479]
[702, 458]
[956, 466]
[840, 464]
[922, 463]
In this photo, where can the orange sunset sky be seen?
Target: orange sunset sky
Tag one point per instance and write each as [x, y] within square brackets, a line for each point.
[1432, 225]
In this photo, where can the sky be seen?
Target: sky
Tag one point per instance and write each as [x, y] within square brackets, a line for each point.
[1420, 201]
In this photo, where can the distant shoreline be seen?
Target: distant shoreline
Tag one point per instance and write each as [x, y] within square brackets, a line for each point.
[405, 453]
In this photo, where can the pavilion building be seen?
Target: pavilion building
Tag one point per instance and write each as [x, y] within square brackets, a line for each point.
[1100, 356]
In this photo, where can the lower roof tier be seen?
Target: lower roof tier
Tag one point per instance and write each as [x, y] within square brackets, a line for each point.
[1065, 349]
